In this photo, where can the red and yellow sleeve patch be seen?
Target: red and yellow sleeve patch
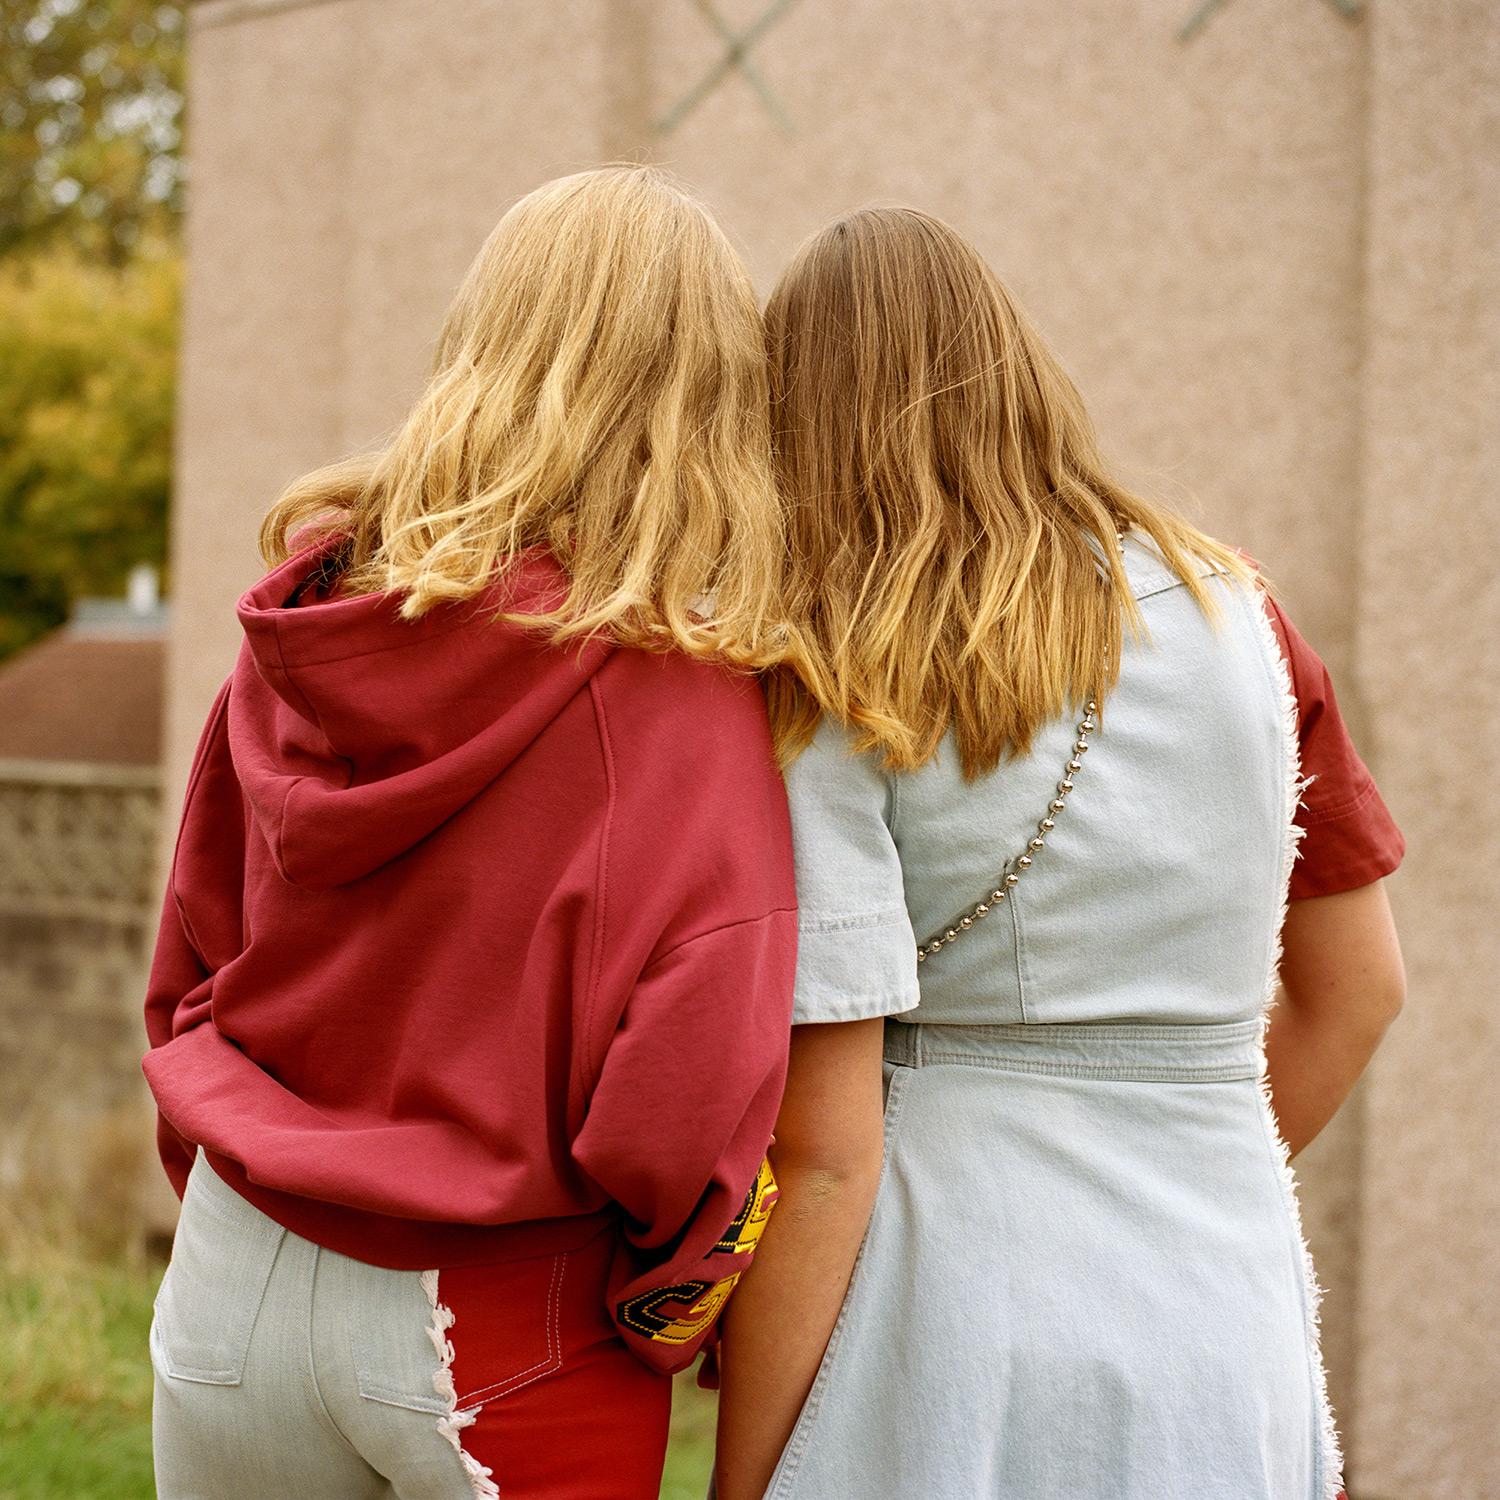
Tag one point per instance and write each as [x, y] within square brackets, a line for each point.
[678, 1314]
[749, 1224]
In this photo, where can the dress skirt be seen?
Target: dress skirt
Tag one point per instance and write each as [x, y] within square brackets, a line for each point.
[1083, 1278]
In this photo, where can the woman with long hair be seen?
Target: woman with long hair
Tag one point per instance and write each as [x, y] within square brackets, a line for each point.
[469, 1009]
[1045, 811]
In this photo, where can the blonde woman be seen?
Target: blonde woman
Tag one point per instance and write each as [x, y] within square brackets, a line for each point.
[470, 1004]
[1044, 817]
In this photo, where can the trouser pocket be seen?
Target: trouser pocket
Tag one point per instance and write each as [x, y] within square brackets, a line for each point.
[512, 1324]
[211, 1295]
[396, 1338]
[509, 1324]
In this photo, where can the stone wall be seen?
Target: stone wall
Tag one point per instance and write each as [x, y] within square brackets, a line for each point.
[77, 865]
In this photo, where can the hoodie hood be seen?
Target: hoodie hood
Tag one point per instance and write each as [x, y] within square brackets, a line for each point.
[355, 733]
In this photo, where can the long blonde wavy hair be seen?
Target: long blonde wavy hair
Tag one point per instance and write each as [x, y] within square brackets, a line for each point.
[598, 389]
[953, 526]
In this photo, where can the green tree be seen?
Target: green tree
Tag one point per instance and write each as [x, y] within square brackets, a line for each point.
[87, 358]
[90, 200]
[90, 124]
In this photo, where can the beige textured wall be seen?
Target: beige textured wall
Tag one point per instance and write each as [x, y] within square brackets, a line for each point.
[347, 158]
[1182, 220]
[1428, 1421]
[1267, 255]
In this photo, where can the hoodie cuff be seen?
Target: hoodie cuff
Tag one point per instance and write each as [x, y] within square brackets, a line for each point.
[667, 1315]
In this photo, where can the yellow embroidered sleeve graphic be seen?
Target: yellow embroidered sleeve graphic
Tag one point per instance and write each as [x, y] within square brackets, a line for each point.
[678, 1314]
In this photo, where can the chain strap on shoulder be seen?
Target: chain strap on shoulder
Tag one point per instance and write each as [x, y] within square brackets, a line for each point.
[1011, 877]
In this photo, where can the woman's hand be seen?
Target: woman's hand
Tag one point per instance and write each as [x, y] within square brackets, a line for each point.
[826, 1156]
[1342, 984]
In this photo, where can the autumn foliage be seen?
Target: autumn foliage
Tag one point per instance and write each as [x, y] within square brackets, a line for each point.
[90, 202]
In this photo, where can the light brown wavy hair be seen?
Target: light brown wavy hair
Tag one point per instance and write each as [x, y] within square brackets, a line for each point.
[954, 562]
[599, 389]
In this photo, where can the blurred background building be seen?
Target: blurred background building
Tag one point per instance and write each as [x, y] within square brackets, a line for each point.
[1262, 234]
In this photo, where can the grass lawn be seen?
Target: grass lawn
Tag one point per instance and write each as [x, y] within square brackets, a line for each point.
[75, 1381]
[690, 1450]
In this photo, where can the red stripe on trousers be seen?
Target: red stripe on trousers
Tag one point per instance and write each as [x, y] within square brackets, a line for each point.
[565, 1411]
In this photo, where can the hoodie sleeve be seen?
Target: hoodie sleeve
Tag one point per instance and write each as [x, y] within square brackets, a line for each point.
[677, 1132]
[692, 1072]
[208, 860]
[177, 978]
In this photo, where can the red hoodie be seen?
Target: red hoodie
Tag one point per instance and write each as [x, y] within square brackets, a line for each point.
[474, 945]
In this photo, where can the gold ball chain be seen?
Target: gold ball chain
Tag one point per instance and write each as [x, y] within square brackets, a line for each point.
[1022, 862]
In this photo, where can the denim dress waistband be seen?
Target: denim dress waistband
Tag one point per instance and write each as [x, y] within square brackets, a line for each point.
[1087, 1049]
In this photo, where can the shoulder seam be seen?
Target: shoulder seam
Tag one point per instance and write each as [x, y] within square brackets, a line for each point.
[887, 916]
[765, 916]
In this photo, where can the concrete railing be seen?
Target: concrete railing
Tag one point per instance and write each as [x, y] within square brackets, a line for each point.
[78, 839]
[78, 847]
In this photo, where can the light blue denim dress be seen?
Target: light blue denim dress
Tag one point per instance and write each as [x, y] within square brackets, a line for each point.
[1084, 1275]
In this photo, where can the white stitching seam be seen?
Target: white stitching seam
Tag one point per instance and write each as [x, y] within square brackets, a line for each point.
[550, 1361]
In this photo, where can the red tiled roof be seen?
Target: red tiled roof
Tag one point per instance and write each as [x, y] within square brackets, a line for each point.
[84, 697]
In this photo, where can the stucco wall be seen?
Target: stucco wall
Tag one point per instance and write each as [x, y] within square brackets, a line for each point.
[1182, 220]
[1266, 254]
[348, 157]
[1428, 1422]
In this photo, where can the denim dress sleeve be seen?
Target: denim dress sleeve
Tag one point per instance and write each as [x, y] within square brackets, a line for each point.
[856, 956]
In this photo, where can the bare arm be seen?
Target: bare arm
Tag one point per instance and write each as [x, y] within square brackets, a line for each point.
[1342, 984]
[826, 1158]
